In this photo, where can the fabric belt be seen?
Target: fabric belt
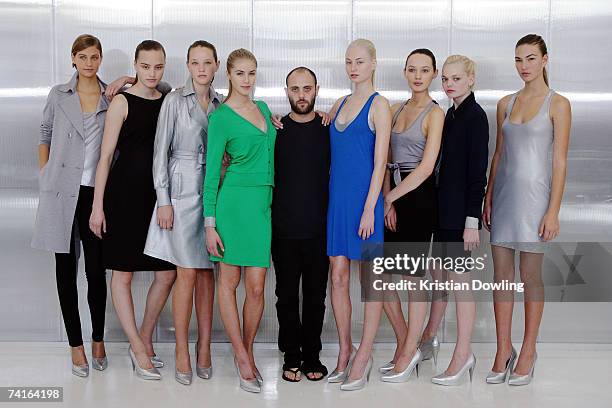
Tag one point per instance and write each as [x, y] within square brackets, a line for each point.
[200, 155]
[396, 168]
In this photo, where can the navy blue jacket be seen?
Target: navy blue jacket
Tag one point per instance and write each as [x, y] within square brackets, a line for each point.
[464, 157]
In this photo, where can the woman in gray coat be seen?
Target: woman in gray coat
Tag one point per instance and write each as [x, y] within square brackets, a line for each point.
[68, 152]
[176, 232]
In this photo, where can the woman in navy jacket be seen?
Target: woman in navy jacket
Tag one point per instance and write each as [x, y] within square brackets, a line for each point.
[461, 188]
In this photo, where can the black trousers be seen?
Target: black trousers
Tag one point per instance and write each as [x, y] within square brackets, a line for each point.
[66, 268]
[306, 259]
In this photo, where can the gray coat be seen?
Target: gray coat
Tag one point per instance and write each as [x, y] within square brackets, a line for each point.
[60, 179]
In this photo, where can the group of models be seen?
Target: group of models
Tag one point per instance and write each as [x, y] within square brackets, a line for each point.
[174, 182]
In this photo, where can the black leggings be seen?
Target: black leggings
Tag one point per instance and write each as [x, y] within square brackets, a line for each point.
[66, 268]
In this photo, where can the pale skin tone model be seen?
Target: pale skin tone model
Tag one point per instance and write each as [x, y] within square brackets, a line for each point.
[457, 84]
[360, 68]
[202, 67]
[530, 64]
[149, 68]
[419, 73]
[242, 76]
[87, 63]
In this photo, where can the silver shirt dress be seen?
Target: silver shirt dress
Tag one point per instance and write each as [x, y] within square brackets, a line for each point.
[178, 174]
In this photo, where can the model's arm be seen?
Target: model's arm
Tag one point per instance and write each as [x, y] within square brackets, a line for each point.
[434, 123]
[46, 131]
[500, 116]
[561, 114]
[161, 154]
[217, 141]
[381, 116]
[119, 84]
[115, 116]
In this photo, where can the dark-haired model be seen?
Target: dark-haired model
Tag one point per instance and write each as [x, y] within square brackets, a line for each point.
[523, 200]
[124, 199]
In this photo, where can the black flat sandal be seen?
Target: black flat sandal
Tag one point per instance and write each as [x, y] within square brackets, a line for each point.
[312, 367]
[291, 368]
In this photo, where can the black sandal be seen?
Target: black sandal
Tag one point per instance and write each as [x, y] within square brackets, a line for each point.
[292, 369]
[312, 367]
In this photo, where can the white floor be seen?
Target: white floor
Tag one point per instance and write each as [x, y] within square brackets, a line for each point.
[567, 375]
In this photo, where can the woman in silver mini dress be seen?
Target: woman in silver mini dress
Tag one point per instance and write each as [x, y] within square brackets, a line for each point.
[176, 233]
[523, 200]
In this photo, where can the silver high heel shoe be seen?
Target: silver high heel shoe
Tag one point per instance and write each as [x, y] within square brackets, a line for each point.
[430, 349]
[339, 376]
[523, 379]
[183, 378]
[156, 361]
[203, 372]
[354, 385]
[444, 379]
[384, 369]
[144, 373]
[499, 378]
[258, 377]
[81, 370]
[99, 364]
[247, 385]
[403, 376]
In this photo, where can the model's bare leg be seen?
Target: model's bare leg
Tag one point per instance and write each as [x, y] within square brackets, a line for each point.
[503, 304]
[341, 305]
[204, 303]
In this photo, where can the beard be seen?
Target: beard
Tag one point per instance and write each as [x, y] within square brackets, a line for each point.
[302, 111]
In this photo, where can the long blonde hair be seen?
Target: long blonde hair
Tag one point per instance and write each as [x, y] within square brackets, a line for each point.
[234, 56]
[468, 65]
[370, 48]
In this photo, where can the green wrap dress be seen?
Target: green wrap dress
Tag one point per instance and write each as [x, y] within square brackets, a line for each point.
[241, 206]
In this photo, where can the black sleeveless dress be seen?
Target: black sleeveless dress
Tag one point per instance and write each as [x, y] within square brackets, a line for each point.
[129, 198]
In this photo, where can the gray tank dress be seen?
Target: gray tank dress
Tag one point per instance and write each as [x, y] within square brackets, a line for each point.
[178, 176]
[521, 192]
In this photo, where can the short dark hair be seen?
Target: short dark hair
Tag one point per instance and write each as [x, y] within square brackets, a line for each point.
[301, 69]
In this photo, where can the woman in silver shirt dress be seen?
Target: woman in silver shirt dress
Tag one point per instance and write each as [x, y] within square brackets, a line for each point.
[176, 232]
[523, 200]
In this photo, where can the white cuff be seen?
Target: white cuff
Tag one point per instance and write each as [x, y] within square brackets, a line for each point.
[471, 223]
[210, 222]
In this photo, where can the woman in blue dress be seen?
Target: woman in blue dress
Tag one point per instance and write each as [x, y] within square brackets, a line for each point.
[359, 143]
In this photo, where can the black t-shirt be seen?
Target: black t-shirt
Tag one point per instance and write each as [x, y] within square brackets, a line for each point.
[302, 159]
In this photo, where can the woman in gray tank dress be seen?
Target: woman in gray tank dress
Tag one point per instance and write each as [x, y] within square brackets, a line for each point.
[176, 232]
[523, 201]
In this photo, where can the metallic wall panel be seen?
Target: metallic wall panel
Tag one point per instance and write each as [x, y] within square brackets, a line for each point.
[177, 24]
[27, 72]
[410, 25]
[287, 34]
[284, 34]
[120, 25]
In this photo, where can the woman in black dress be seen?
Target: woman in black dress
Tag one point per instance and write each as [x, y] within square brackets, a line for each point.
[124, 200]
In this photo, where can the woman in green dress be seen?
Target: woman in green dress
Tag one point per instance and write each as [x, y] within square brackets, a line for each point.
[238, 212]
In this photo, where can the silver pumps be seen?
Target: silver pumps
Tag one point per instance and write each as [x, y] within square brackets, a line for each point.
[80, 370]
[157, 362]
[523, 379]
[144, 373]
[99, 364]
[354, 385]
[183, 378]
[247, 385]
[444, 379]
[386, 367]
[203, 372]
[403, 376]
[499, 378]
[339, 376]
[430, 348]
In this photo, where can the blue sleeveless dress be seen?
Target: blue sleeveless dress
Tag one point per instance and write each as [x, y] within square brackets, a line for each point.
[352, 164]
